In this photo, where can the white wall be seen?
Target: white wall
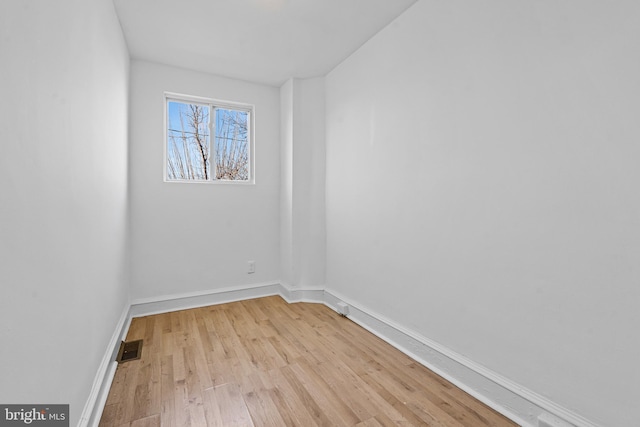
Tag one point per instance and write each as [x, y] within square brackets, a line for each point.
[302, 192]
[286, 183]
[63, 174]
[309, 250]
[482, 190]
[199, 237]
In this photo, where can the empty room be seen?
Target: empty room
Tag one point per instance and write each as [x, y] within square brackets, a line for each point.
[320, 212]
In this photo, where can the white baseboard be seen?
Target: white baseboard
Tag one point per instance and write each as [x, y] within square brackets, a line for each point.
[510, 399]
[292, 294]
[102, 382]
[163, 304]
[514, 401]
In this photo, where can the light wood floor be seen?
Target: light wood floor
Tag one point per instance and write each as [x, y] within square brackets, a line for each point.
[264, 362]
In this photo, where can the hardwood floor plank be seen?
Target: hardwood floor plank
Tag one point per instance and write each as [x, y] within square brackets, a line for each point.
[356, 393]
[385, 420]
[291, 415]
[180, 404]
[322, 393]
[117, 391]
[192, 377]
[232, 407]
[290, 401]
[264, 362]
[167, 384]
[320, 416]
[212, 412]
[262, 409]
[109, 415]
[371, 422]
[196, 413]
[407, 415]
[150, 421]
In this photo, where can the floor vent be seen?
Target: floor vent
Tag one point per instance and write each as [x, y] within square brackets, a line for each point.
[131, 350]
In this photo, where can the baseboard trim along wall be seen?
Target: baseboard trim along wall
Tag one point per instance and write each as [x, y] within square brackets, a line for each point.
[163, 304]
[293, 294]
[104, 377]
[516, 402]
[510, 399]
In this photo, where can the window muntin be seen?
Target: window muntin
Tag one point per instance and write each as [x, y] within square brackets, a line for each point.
[189, 152]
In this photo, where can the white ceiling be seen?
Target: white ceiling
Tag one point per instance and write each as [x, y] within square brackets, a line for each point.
[264, 41]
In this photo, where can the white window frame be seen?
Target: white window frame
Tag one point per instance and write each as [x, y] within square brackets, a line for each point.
[212, 104]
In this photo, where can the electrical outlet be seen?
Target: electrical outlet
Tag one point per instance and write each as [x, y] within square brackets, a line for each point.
[252, 267]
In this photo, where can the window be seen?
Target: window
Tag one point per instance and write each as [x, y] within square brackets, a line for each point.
[207, 140]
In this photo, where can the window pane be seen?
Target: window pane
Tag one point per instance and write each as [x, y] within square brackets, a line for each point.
[232, 145]
[188, 142]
